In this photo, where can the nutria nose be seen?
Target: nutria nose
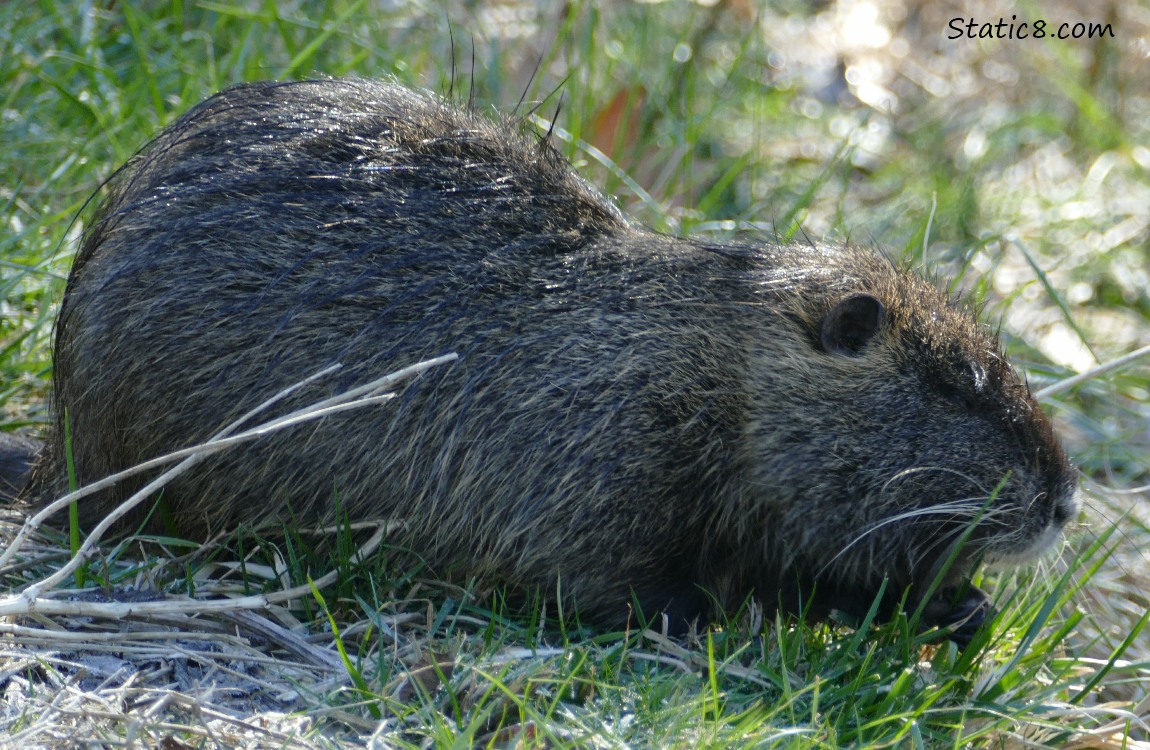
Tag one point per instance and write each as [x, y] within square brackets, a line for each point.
[1064, 511]
[1065, 502]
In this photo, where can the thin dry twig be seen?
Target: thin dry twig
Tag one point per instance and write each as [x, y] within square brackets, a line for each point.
[31, 597]
[1092, 373]
[24, 604]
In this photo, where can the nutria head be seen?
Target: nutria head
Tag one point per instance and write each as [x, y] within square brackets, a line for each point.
[890, 435]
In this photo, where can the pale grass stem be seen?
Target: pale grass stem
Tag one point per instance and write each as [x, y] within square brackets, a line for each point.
[30, 598]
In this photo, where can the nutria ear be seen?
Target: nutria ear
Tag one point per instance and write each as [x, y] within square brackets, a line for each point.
[851, 324]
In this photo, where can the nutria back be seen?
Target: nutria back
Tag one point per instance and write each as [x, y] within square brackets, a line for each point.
[647, 420]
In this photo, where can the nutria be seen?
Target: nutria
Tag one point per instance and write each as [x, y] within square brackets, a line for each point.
[649, 421]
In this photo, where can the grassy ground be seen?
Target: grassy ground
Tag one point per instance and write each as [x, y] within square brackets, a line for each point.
[1017, 167]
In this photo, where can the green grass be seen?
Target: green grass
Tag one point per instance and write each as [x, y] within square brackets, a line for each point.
[723, 125]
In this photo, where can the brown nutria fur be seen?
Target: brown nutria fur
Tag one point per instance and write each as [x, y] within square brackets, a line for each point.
[646, 420]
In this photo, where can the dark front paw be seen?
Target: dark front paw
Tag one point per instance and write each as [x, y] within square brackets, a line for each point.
[958, 611]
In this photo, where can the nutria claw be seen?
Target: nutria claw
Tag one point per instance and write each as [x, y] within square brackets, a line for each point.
[959, 612]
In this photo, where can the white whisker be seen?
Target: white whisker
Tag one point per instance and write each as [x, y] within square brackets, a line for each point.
[925, 469]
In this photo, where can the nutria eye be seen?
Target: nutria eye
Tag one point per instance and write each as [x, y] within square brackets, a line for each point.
[957, 397]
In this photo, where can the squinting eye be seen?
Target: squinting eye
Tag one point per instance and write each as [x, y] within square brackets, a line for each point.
[957, 397]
